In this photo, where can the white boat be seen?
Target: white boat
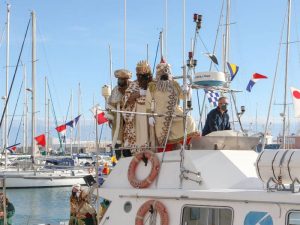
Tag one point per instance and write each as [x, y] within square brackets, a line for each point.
[210, 187]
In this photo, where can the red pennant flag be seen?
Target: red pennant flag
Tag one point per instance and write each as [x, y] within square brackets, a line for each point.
[41, 140]
[259, 76]
[101, 118]
[61, 128]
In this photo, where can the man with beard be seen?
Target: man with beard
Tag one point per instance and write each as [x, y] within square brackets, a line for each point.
[115, 102]
[135, 129]
[164, 95]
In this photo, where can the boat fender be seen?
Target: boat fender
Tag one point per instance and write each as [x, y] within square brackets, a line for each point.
[151, 206]
[150, 156]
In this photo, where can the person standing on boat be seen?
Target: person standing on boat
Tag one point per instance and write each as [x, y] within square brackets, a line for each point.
[218, 118]
[163, 97]
[115, 102]
[82, 212]
[135, 129]
[10, 210]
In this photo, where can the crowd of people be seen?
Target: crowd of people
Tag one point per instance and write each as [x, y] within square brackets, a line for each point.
[151, 117]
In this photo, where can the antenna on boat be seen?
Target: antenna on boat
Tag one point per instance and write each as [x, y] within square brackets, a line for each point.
[286, 72]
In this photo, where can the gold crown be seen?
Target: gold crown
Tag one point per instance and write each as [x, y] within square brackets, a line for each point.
[143, 67]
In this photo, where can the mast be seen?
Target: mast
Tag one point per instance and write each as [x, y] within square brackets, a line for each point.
[33, 146]
[227, 36]
[46, 114]
[286, 71]
[48, 124]
[110, 65]
[78, 126]
[71, 131]
[25, 111]
[7, 77]
[124, 34]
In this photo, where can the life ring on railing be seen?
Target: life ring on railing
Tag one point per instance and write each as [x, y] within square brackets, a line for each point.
[150, 206]
[144, 156]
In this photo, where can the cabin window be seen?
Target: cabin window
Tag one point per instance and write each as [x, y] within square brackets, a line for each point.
[294, 218]
[203, 215]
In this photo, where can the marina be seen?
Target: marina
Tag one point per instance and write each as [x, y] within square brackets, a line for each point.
[172, 131]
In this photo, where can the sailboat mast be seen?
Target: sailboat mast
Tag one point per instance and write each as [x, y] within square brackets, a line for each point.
[25, 111]
[78, 126]
[46, 114]
[227, 35]
[71, 132]
[286, 71]
[7, 77]
[33, 117]
[125, 34]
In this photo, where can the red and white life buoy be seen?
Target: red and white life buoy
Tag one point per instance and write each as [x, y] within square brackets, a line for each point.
[150, 156]
[156, 205]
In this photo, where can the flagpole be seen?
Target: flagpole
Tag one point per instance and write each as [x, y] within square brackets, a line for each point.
[78, 127]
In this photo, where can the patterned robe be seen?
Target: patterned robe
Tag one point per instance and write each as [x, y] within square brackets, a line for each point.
[136, 126]
[115, 102]
[168, 103]
[82, 213]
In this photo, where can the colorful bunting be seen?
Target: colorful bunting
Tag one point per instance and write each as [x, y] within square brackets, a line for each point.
[233, 69]
[296, 101]
[41, 140]
[254, 79]
[72, 122]
[99, 114]
[12, 148]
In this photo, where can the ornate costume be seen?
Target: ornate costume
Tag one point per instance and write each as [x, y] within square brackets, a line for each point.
[164, 94]
[135, 129]
[82, 212]
[115, 103]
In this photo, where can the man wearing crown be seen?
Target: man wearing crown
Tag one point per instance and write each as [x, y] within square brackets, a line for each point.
[115, 102]
[135, 127]
[163, 97]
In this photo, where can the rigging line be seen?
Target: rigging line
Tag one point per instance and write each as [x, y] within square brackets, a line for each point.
[206, 49]
[13, 116]
[13, 80]
[273, 85]
[211, 63]
[19, 129]
[49, 68]
[53, 111]
[157, 47]
[68, 109]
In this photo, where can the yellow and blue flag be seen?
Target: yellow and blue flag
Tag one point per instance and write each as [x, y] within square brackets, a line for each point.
[233, 69]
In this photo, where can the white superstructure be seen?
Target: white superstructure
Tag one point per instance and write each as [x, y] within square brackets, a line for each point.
[218, 187]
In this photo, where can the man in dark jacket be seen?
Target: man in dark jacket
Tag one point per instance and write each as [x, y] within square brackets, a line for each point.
[218, 118]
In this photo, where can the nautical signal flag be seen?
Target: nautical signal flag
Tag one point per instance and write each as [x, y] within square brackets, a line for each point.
[72, 122]
[12, 148]
[296, 101]
[61, 128]
[212, 97]
[233, 69]
[254, 79]
[41, 140]
[212, 58]
[99, 115]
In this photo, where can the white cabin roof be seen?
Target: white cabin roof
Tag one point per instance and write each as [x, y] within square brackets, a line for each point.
[219, 169]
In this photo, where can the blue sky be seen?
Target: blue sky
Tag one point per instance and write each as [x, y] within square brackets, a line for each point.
[73, 38]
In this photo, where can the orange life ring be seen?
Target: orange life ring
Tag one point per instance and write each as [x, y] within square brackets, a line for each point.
[150, 156]
[146, 207]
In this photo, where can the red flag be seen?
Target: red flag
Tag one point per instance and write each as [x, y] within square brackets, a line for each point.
[259, 76]
[101, 118]
[14, 148]
[61, 128]
[41, 140]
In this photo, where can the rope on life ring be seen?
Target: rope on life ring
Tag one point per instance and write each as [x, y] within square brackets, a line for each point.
[149, 206]
[143, 156]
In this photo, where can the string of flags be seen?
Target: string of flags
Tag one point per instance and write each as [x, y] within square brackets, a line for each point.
[61, 129]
